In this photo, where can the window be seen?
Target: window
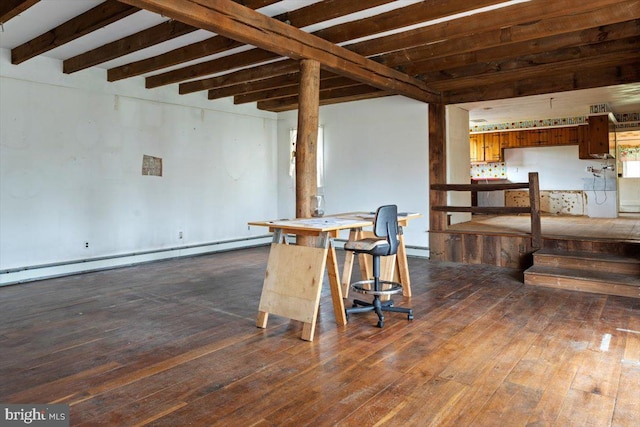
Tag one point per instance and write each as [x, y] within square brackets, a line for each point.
[293, 135]
[631, 169]
[629, 156]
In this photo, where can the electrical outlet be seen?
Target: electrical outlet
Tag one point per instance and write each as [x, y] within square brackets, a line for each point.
[86, 244]
[179, 234]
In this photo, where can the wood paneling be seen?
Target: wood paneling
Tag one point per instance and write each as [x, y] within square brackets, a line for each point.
[511, 251]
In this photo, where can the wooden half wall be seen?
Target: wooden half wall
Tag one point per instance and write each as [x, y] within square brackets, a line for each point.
[514, 251]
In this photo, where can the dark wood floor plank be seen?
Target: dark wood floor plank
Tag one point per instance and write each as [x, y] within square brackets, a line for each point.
[175, 343]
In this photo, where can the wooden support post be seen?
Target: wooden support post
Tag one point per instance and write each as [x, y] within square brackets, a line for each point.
[307, 141]
[534, 200]
[437, 171]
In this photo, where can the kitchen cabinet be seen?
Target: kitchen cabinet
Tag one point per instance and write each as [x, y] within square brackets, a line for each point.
[537, 137]
[493, 146]
[563, 136]
[476, 145]
[486, 147]
[600, 138]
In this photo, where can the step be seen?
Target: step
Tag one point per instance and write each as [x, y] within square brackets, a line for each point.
[600, 282]
[590, 261]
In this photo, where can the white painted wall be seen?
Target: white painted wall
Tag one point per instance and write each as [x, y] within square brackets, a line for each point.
[376, 152]
[71, 150]
[559, 168]
[458, 160]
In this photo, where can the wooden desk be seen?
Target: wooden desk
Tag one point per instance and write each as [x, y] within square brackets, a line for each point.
[293, 280]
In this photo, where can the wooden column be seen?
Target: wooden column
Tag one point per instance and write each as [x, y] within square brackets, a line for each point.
[437, 167]
[307, 141]
[534, 200]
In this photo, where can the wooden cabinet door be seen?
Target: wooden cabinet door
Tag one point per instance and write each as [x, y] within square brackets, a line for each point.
[508, 139]
[492, 147]
[531, 138]
[518, 138]
[476, 146]
[544, 137]
[564, 136]
[583, 142]
[558, 136]
[598, 135]
[571, 135]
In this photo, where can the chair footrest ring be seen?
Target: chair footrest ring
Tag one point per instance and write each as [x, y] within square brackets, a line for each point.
[366, 287]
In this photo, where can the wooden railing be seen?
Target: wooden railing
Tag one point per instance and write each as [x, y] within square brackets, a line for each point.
[533, 209]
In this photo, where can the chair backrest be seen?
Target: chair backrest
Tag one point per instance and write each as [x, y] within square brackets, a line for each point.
[386, 225]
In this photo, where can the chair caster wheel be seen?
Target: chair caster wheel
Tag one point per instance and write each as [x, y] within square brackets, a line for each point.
[354, 305]
[380, 323]
[410, 317]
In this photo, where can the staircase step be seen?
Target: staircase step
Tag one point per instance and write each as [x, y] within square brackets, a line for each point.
[603, 262]
[600, 282]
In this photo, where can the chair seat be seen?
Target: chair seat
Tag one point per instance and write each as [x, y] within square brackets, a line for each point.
[370, 245]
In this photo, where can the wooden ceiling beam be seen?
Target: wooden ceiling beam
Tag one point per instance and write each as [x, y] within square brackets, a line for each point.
[415, 13]
[12, 8]
[277, 82]
[298, 18]
[520, 21]
[218, 65]
[606, 54]
[196, 50]
[274, 69]
[248, 26]
[508, 40]
[332, 96]
[593, 35]
[104, 14]
[281, 81]
[470, 27]
[587, 25]
[568, 80]
[326, 83]
[141, 40]
[532, 47]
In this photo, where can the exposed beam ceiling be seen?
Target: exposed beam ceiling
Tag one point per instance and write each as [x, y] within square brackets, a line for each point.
[243, 24]
[471, 51]
[11, 8]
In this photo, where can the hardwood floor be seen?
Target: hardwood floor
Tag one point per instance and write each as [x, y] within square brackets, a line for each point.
[174, 343]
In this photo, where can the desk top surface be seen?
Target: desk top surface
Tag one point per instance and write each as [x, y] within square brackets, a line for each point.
[331, 222]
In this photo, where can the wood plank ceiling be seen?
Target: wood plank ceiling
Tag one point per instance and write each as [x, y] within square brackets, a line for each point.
[424, 50]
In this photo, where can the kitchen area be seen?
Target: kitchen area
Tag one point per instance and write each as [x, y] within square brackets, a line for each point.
[587, 166]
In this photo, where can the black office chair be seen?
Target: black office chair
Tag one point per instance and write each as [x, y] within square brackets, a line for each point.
[384, 244]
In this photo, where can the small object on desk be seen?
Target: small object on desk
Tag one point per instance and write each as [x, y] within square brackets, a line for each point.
[317, 205]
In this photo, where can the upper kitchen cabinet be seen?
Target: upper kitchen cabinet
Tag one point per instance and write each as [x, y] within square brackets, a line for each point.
[487, 147]
[600, 138]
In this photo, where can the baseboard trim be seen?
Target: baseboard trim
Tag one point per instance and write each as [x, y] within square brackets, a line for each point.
[19, 275]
